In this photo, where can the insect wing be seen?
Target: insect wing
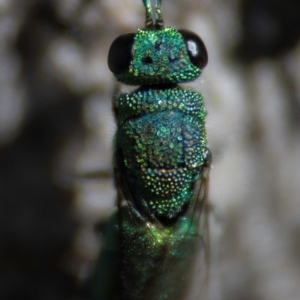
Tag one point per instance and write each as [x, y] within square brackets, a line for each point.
[164, 262]
[199, 279]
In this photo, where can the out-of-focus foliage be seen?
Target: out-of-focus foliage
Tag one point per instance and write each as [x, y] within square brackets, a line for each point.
[56, 132]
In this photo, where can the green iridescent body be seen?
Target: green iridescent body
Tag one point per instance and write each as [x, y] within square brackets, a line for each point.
[170, 60]
[148, 261]
[162, 136]
[161, 164]
[157, 264]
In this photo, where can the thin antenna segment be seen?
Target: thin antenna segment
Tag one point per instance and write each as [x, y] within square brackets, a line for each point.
[149, 20]
[159, 23]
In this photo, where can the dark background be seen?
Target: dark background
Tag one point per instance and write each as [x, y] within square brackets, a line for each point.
[56, 132]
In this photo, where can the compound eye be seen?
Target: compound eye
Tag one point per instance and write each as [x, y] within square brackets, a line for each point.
[120, 53]
[196, 48]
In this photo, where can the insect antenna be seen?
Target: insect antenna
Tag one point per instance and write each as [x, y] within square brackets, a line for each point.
[149, 20]
[159, 22]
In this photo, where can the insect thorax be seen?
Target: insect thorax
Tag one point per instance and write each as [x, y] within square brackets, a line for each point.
[161, 133]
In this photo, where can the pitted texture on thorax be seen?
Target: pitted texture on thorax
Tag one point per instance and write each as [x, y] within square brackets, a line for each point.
[162, 136]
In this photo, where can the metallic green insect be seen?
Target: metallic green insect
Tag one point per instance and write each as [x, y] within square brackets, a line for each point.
[153, 244]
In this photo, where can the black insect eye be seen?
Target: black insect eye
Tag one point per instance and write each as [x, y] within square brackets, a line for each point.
[196, 48]
[120, 53]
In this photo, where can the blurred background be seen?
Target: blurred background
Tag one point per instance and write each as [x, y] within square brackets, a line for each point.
[56, 129]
